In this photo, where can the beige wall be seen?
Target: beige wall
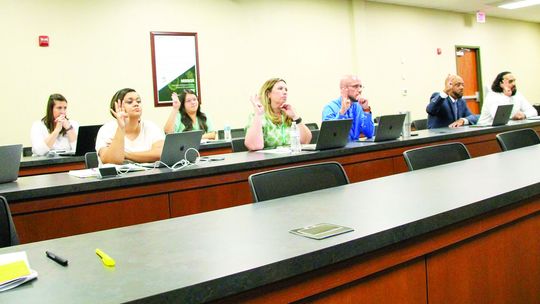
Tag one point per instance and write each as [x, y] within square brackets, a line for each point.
[98, 47]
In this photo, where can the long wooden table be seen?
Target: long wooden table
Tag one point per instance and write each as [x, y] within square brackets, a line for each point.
[419, 237]
[57, 205]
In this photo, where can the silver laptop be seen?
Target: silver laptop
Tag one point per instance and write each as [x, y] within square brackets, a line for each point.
[179, 146]
[388, 128]
[502, 116]
[86, 141]
[10, 160]
[333, 134]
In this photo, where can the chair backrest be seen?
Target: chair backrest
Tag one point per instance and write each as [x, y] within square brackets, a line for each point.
[312, 126]
[430, 156]
[517, 139]
[91, 160]
[8, 234]
[237, 145]
[295, 180]
[27, 151]
[314, 136]
[419, 124]
[235, 133]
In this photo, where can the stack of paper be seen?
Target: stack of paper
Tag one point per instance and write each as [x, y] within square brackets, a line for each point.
[15, 270]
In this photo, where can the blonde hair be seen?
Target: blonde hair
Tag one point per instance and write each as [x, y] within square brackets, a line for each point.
[263, 93]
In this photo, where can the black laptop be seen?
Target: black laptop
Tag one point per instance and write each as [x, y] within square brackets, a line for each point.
[179, 146]
[10, 160]
[502, 116]
[333, 134]
[86, 141]
[388, 128]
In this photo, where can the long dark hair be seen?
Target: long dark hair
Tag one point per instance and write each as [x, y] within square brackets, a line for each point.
[186, 120]
[496, 86]
[119, 96]
[48, 119]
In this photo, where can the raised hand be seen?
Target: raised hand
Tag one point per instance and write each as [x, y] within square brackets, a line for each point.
[175, 101]
[345, 101]
[121, 116]
[258, 108]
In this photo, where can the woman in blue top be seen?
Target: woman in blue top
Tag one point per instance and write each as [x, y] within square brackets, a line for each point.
[186, 115]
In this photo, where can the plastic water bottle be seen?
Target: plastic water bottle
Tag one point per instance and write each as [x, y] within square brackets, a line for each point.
[406, 133]
[227, 133]
[295, 138]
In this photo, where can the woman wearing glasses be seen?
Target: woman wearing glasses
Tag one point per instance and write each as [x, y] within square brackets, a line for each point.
[186, 115]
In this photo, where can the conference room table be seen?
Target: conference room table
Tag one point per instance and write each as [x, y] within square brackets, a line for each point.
[34, 165]
[424, 236]
[55, 205]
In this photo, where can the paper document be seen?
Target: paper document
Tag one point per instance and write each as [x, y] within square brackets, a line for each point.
[15, 270]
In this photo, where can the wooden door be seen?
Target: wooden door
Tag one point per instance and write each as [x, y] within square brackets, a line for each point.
[468, 68]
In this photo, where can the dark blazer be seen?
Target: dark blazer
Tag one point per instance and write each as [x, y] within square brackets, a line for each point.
[440, 113]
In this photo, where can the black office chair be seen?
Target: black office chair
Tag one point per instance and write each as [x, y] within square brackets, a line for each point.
[237, 145]
[295, 180]
[8, 234]
[91, 160]
[430, 156]
[312, 126]
[314, 136]
[517, 139]
[235, 133]
[419, 124]
[27, 151]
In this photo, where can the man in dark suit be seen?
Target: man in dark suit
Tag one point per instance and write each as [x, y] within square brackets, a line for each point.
[448, 108]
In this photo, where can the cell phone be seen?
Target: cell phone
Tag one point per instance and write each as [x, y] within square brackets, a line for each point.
[106, 172]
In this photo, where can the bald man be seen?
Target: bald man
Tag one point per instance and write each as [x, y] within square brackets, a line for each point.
[448, 108]
[351, 105]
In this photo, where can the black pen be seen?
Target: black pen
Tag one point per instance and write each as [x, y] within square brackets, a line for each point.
[57, 259]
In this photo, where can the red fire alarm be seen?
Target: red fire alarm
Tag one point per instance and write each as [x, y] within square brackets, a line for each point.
[439, 51]
[43, 41]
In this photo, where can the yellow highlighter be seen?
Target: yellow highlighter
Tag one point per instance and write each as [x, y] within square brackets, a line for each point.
[107, 260]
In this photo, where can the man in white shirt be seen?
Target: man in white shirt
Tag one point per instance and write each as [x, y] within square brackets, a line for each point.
[503, 92]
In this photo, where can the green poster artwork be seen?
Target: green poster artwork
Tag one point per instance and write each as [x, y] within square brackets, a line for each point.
[187, 80]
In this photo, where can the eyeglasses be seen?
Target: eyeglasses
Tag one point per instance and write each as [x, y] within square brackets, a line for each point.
[357, 86]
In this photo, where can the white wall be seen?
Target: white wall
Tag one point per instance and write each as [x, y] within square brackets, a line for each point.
[98, 47]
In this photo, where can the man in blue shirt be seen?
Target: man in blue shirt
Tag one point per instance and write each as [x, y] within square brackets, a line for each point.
[351, 105]
[448, 108]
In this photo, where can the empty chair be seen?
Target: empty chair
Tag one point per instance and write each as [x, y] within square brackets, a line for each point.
[314, 136]
[91, 160]
[430, 156]
[312, 126]
[517, 139]
[419, 124]
[295, 180]
[237, 145]
[235, 133]
[8, 234]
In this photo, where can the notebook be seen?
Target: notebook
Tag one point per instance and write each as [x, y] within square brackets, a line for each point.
[502, 116]
[389, 127]
[333, 134]
[10, 160]
[179, 146]
[86, 141]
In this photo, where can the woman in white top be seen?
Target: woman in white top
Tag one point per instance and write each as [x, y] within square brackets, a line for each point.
[128, 137]
[504, 91]
[54, 131]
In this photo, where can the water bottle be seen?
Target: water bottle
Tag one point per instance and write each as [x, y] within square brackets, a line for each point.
[295, 138]
[406, 132]
[227, 133]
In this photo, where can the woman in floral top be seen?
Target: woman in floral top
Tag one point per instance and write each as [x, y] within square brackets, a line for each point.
[272, 117]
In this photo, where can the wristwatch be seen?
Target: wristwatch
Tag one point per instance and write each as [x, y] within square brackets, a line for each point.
[298, 121]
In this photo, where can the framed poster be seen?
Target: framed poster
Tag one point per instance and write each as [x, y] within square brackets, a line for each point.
[175, 65]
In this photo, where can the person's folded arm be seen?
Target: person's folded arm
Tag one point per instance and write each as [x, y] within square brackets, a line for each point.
[151, 155]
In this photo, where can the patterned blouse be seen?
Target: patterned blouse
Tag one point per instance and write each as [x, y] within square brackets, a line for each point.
[274, 135]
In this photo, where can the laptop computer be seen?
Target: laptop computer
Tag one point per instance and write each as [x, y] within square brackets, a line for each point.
[333, 134]
[502, 116]
[389, 128]
[86, 141]
[10, 160]
[179, 146]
